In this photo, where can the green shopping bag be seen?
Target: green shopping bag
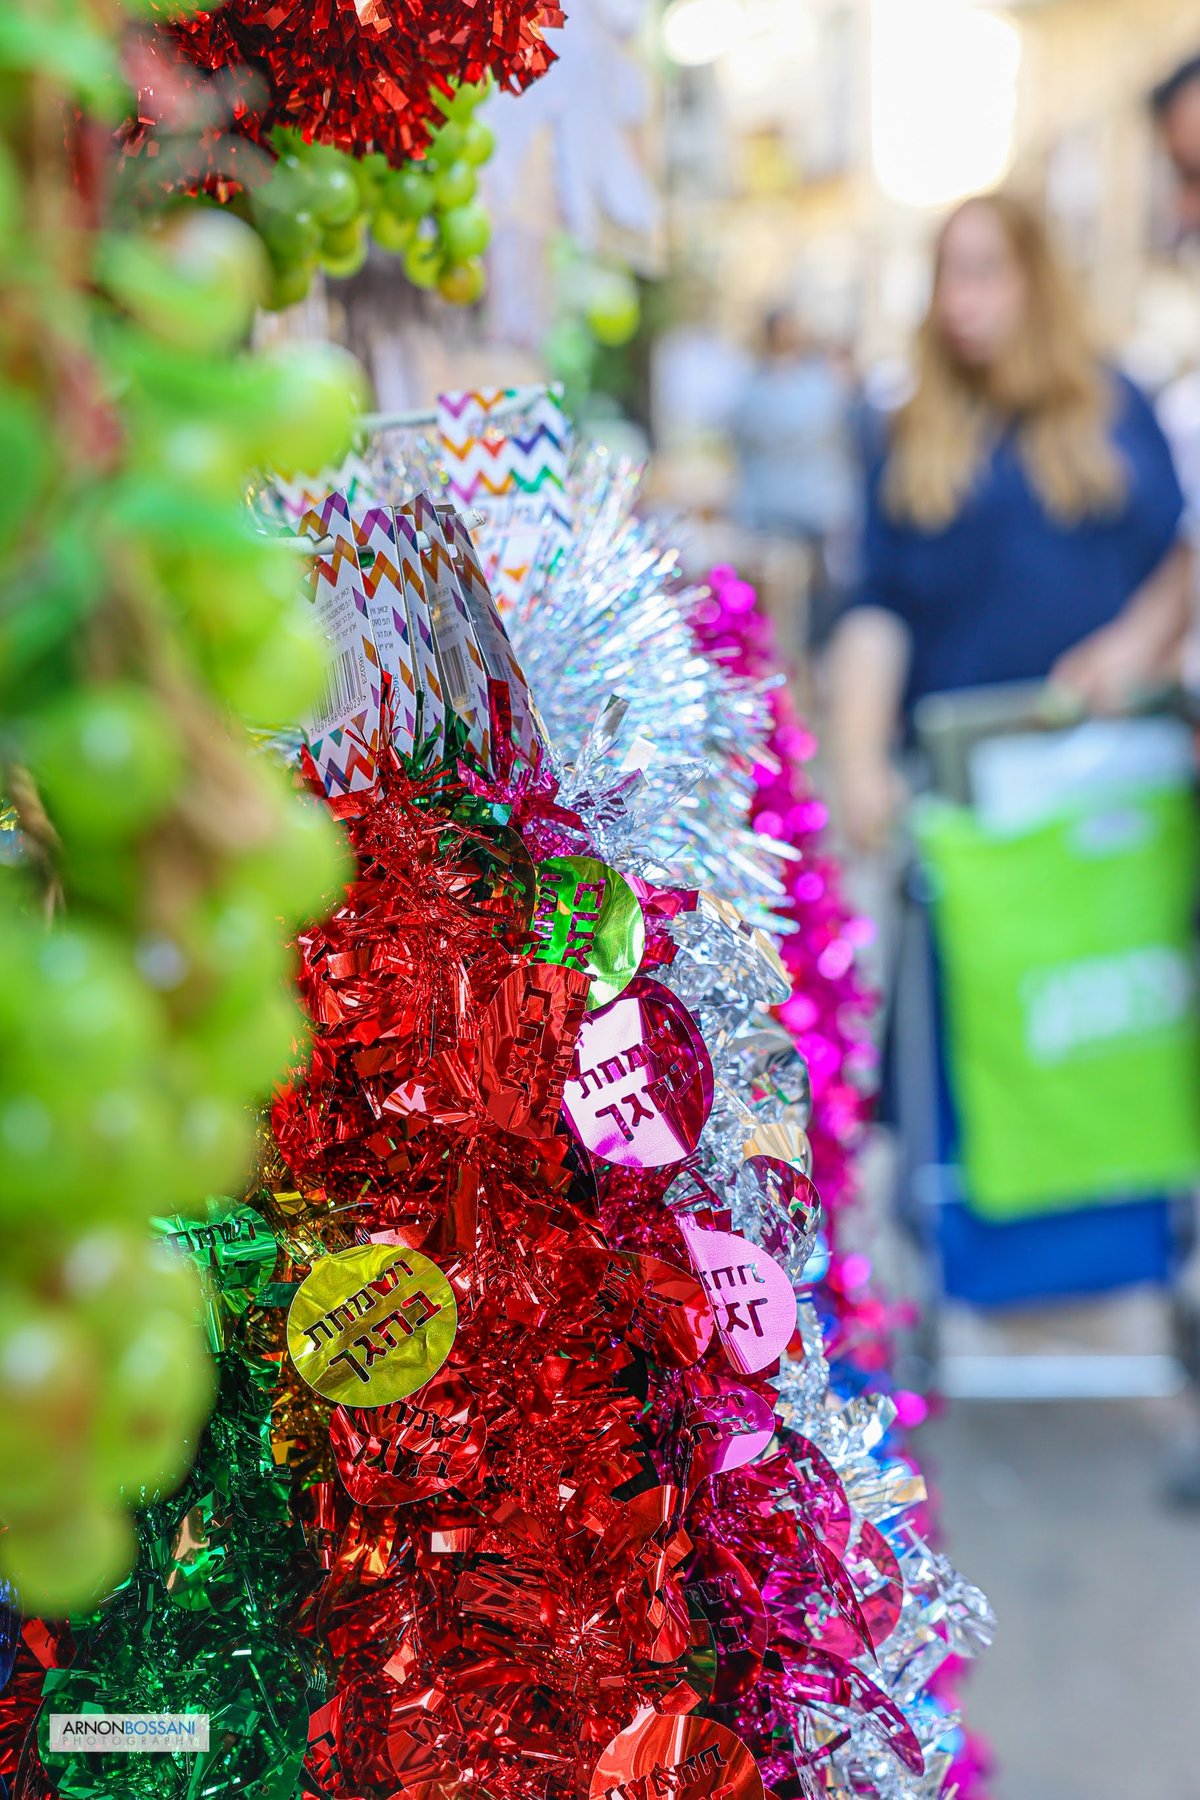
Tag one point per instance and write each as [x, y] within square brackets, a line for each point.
[1068, 957]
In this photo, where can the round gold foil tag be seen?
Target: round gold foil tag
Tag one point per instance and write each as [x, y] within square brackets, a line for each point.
[371, 1325]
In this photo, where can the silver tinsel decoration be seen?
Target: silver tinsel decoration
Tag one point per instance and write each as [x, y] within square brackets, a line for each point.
[655, 746]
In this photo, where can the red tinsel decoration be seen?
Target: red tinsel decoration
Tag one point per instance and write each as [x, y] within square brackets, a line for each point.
[534, 1550]
[360, 76]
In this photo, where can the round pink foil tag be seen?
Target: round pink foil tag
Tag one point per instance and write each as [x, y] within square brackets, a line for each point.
[752, 1299]
[729, 1425]
[641, 1086]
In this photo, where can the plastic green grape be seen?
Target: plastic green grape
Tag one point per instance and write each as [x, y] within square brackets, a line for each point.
[344, 252]
[315, 392]
[101, 875]
[458, 103]
[370, 172]
[232, 603]
[569, 348]
[341, 268]
[158, 1385]
[409, 192]
[340, 240]
[81, 1155]
[423, 262]
[128, 1144]
[446, 143]
[335, 195]
[47, 1375]
[109, 1276]
[287, 192]
[454, 185]
[280, 678]
[199, 455]
[288, 287]
[216, 1138]
[85, 1002]
[465, 231]
[108, 760]
[391, 232]
[304, 865]
[613, 309]
[321, 156]
[479, 143]
[195, 285]
[27, 456]
[293, 237]
[10, 194]
[235, 938]
[68, 1562]
[249, 1044]
[463, 283]
[43, 1165]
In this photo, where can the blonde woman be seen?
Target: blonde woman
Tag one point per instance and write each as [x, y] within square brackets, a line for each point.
[1024, 523]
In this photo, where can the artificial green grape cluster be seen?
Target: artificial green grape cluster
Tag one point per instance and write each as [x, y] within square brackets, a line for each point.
[599, 312]
[153, 864]
[320, 207]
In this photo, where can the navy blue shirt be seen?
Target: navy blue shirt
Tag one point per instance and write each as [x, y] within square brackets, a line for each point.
[1004, 590]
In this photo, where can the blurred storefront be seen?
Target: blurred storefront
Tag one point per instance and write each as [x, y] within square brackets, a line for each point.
[812, 144]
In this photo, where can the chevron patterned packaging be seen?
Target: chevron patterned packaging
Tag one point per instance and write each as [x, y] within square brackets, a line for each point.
[343, 731]
[287, 501]
[513, 469]
[431, 688]
[459, 655]
[498, 653]
[375, 537]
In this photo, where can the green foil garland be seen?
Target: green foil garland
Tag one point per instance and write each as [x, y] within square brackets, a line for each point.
[203, 1624]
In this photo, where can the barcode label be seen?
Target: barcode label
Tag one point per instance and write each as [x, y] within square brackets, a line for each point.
[455, 671]
[345, 691]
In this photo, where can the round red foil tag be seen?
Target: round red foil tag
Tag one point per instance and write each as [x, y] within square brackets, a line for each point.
[658, 1758]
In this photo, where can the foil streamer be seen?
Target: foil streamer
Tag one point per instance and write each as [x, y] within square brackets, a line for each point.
[603, 1534]
[359, 76]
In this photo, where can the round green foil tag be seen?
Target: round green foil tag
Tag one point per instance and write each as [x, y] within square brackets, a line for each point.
[587, 917]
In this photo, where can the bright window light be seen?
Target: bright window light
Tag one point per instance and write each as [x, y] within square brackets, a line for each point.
[699, 31]
[943, 98]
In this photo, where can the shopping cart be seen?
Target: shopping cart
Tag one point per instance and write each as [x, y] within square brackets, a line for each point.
[1044, 1034]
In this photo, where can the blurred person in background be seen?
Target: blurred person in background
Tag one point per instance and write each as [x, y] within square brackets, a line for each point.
[793, 435]
[1175, 104]
[1023, 523]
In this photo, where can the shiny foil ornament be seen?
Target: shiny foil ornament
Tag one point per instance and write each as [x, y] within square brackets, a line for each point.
[753, 1301]
[732, 1604]
[587, 917]
[656, 1307]
[784, 1141]
[680, 1759]
[729, 1425]
[785, 1207]
[371, 1325]
[396, 1455]
[507, 882]
[527, 1043]
[363, 76]
[641, 1085]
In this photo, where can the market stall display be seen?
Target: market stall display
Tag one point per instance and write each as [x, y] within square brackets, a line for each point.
[526, 1467]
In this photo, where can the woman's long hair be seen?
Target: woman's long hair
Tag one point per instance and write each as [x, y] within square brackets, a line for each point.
[1048, 386]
